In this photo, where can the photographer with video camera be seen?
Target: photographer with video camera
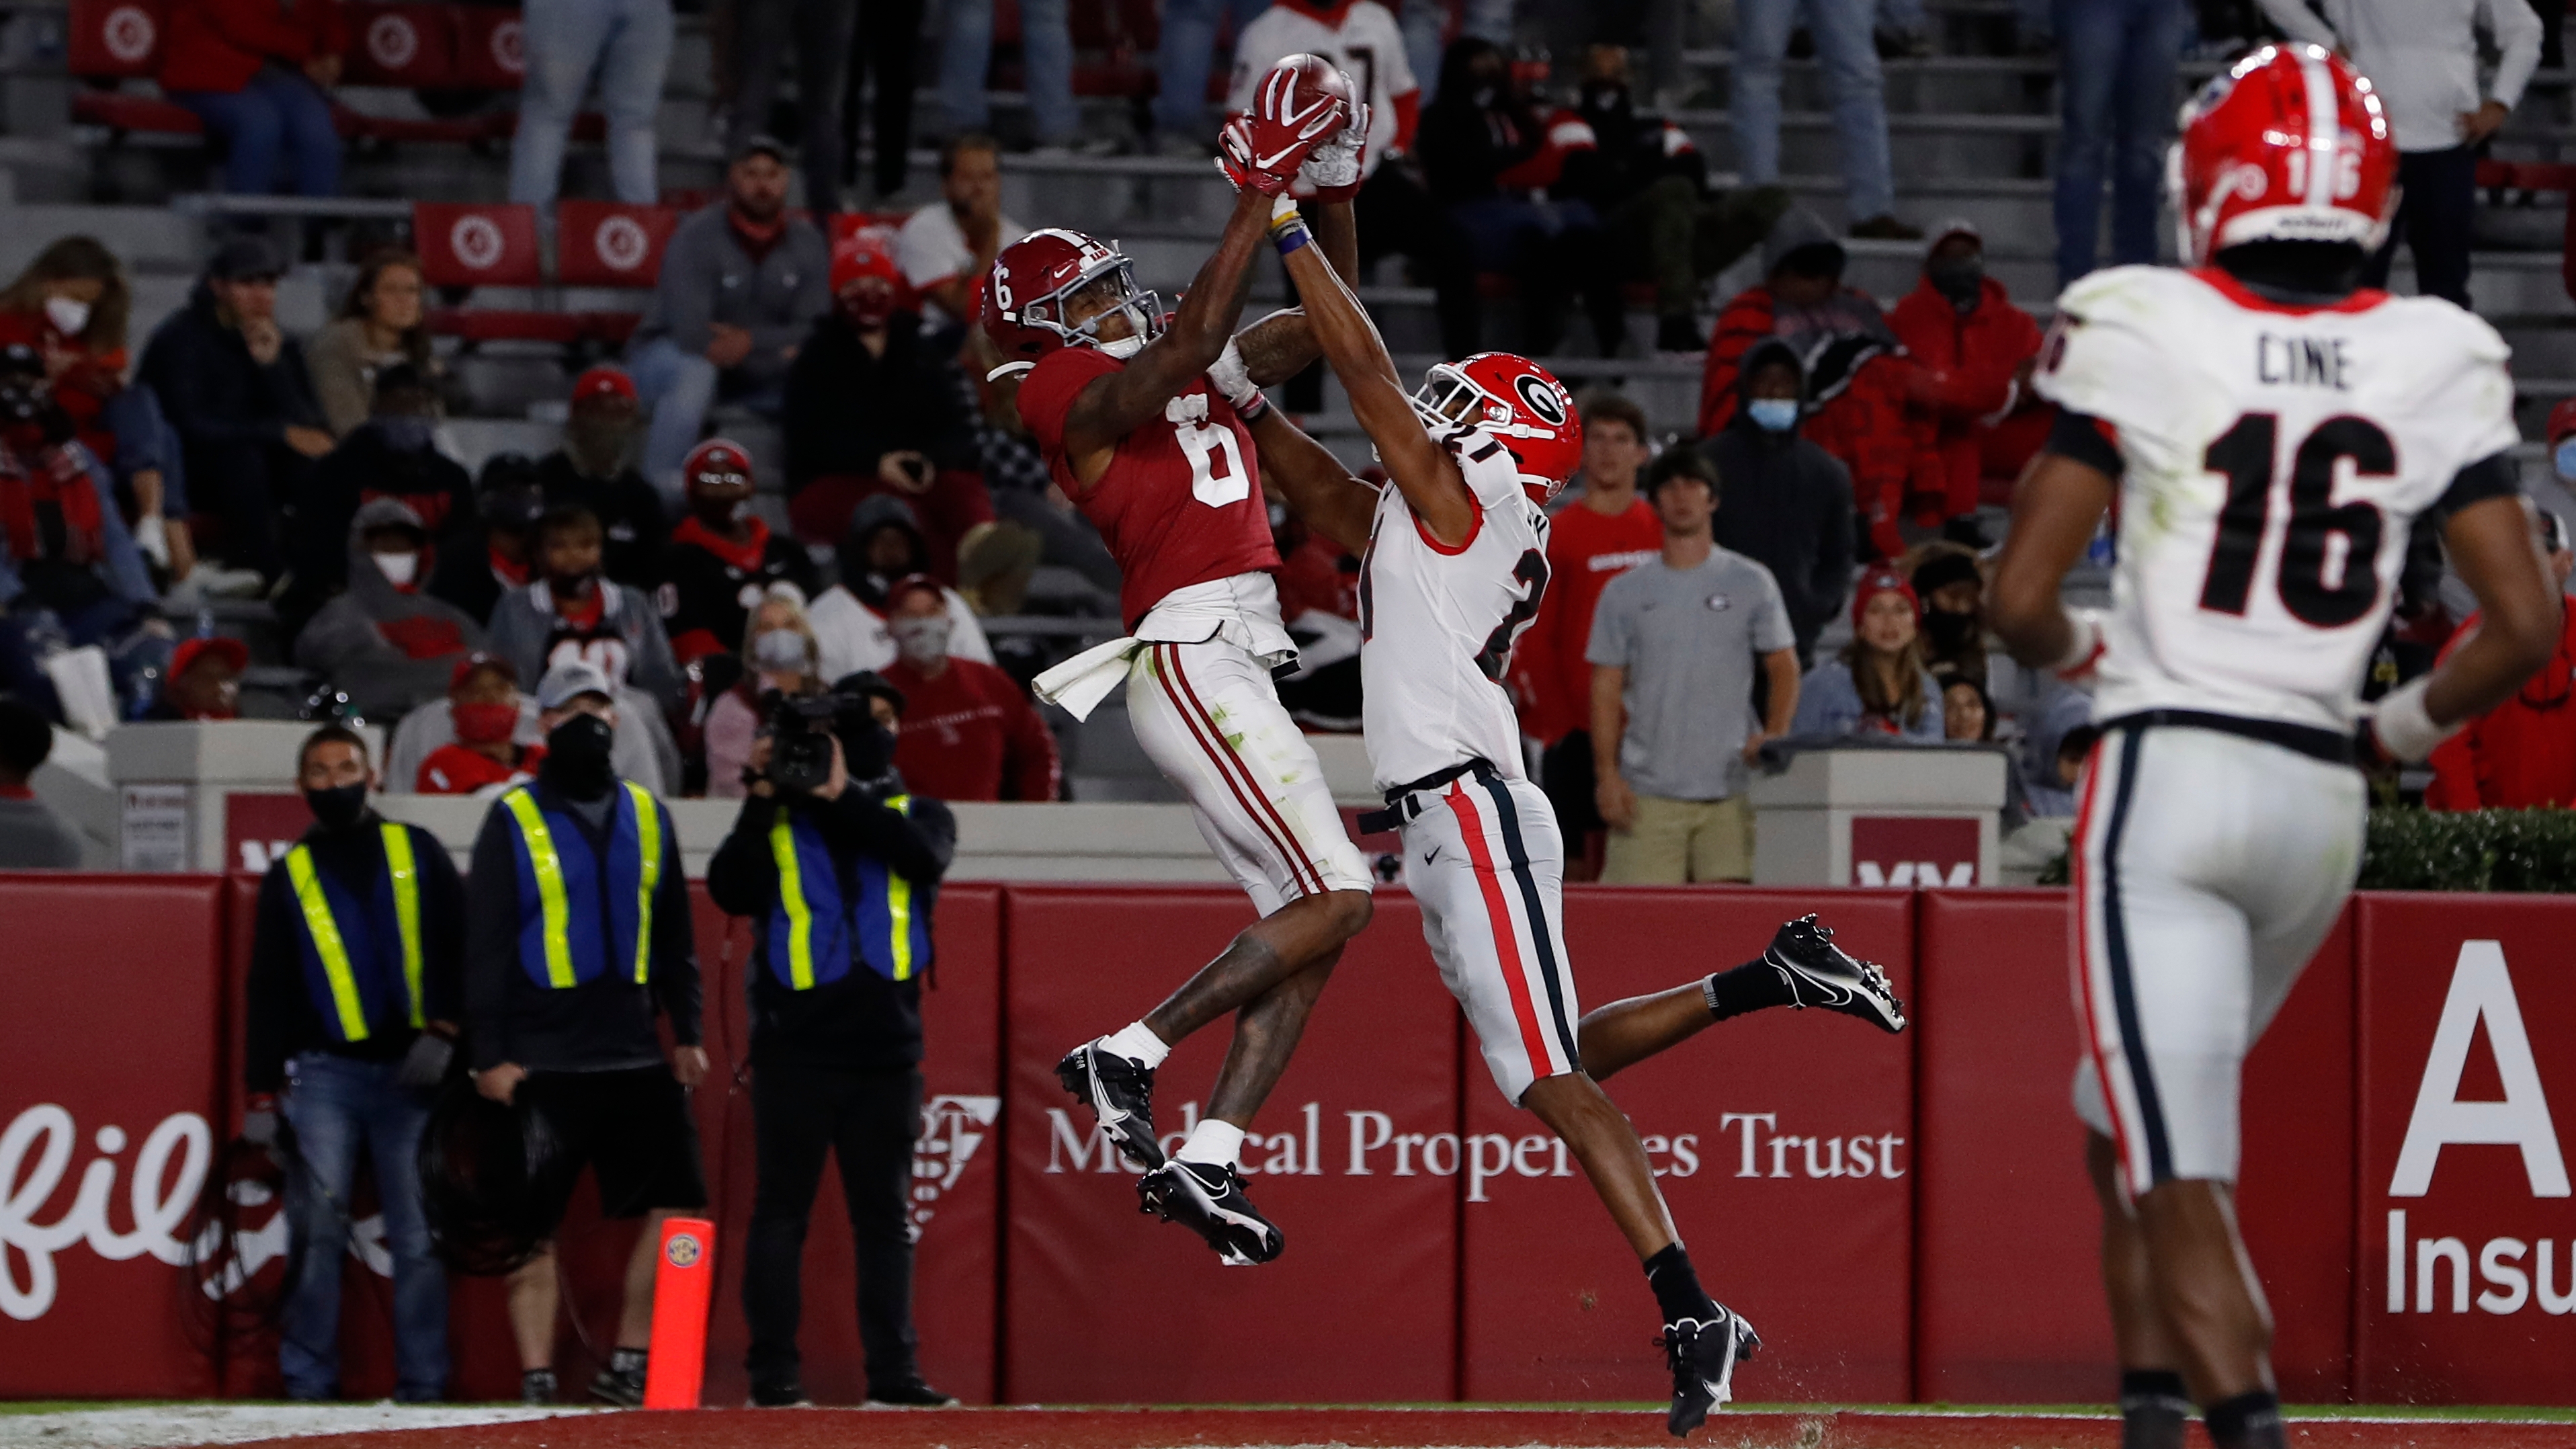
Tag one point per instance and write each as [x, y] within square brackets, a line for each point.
[577, 934]
[838, 869]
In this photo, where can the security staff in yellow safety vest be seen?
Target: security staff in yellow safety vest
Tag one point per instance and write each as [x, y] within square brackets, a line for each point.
[839, 882]
[577, 937]
[350, 1010]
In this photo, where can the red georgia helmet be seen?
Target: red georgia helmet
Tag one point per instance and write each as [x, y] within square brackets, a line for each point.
[1520, 403]
[1031, 281]
[2289, 144]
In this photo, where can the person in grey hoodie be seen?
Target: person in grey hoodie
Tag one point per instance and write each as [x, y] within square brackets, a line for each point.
[1783, 501]
[742, 282]
[385, 640]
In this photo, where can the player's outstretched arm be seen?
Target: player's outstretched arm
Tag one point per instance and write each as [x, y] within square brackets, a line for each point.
[2518, 611]
[1316, 485]
[1421, 468]
[2055, 507]
[1281, 345]
[1116, 404]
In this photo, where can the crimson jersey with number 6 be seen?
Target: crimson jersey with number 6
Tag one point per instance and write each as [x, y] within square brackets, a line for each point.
[2273, 459]
[1180, 503]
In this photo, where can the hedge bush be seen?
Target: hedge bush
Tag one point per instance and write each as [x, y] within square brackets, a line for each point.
[2406, 849]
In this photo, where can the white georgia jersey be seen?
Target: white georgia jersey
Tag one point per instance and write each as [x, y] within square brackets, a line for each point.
[1366, 45]
[1437, 624]
[2272, 461]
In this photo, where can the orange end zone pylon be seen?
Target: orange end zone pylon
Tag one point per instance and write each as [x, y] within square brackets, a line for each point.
[683, 1284]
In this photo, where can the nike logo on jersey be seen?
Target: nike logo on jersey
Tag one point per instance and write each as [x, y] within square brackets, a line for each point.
[2300, 361]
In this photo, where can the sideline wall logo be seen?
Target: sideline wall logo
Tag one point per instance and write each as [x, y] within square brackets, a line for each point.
[159, 1196]
[953, 1129]
[1912, 850]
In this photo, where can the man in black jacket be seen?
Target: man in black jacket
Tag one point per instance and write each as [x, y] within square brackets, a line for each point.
[591, 470]
[1783, 501]
[723, 556]
[840, 883]
[393, 454]
[236, 392]
[577, 933]
[352, 1000]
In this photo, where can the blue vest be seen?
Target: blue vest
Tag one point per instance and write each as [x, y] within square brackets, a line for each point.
[824, 918]
[582, 917]
[361, 957]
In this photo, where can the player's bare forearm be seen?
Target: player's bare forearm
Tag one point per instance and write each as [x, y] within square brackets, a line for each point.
[2518, 611]
[1421, 468]
[2055, 507]
[1316, 486]
[1115, 405]
[1282, 345]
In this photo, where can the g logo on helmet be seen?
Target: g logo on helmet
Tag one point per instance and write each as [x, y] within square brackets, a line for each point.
[392, 42]
[476, 240]
[621, 243]
[1544, 399]
[509, 47]
[129, 33]
[684, 1250]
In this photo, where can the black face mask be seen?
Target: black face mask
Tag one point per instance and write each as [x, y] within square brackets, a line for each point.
[867, 748]
[1949, 632]
[1961, 279]
[338, 807]
[577, 756]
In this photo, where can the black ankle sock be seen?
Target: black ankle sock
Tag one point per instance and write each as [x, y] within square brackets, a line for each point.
[1676, 1285]
[626, 1360]
[1749, 987]
[2154, 1406]
[2248, 1421]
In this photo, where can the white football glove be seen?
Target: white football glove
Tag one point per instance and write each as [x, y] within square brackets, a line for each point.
[1332, 170]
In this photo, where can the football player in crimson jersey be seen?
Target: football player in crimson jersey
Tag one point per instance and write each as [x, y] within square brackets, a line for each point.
[1455, 563]
[1120, 404]
[2271, 433]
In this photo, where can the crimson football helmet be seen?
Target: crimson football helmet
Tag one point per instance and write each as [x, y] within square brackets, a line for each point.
[2288, 144]
[1036, 277]
[1520, 403]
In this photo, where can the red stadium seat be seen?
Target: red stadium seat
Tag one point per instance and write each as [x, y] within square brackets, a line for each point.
[491, 51]
[609, 244]
[115, 39]
[467, 245]
[119, 112]
[408, 45]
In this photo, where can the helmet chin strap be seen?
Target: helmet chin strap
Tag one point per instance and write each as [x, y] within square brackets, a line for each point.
[1124, 348]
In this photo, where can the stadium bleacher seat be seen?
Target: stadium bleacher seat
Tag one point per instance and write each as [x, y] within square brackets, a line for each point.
[491, 51]
[464, 246]
[408, 45]
[606, 244]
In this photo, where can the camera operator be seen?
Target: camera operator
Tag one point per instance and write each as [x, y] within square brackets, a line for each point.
[577, 932]
[838, 869]
[351, 1007]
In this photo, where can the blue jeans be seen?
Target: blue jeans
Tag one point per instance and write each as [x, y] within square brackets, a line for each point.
[1853, 84]
[338, 1108]
[278, 112]
[678, 387]
[1046, 54]
[2117, 60]
[1181, 65]
[146, 441]
[625, 45]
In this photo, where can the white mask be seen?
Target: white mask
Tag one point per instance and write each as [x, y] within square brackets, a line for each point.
[922, 642]
[781, 651]
[68, 314]
[399, 568]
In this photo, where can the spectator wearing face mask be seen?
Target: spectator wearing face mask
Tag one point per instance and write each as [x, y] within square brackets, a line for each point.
[2522, 753]
[1953, 591]
[1788, 501]
[393, 456]
[1974, 352]
[779, 657]
[381, 324]
[238, 397]
[1857, 383]
[385, 640]
[883, 547]
[969, 731]
[486, 756]
[476, 568]
[1877, 688]
[204, 680]
[572, 612]
[722, 558]
[64, 550]
[870, 410]
[593, 470]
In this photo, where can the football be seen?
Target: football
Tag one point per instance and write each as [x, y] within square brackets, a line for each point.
[1308, 77]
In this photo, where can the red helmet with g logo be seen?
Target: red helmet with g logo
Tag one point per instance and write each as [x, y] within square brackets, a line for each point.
[2289, 144]
[1035, 277]
[1520, 403]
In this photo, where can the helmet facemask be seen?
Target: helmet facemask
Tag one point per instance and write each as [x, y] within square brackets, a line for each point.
[1449, 399]
[1143, 310]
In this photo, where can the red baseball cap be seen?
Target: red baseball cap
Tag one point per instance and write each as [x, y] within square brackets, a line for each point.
[185, 657]
[1882, 581]
[717, 457]
[863, 251]
[467, 666]
[603, 381]
[911, 583]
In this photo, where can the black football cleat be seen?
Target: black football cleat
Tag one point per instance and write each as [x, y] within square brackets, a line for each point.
[1702, 1353]
[1208, 1199]
[1120, 1092]
[1819, 973]
[909, 1393]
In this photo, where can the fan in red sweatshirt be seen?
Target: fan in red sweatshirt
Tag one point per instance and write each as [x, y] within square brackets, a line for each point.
[1975, 348]
[2522, 753]
[1607, 531]
[969, 731]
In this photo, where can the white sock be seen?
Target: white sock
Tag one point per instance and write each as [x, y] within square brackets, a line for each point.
[1137, 1043]
[1213, 1141]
